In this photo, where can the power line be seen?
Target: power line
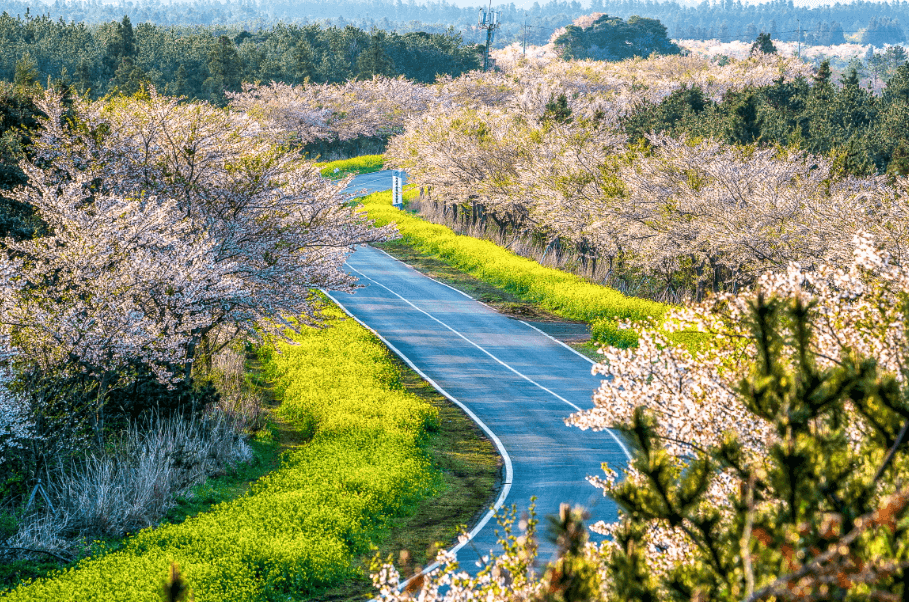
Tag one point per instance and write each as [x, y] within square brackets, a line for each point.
[742, 36]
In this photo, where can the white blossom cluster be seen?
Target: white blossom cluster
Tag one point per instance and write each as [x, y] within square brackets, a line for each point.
[856, 309]
[724, 212]
[16, 425]
[634, 81]
[504, 577]
[165, 220]
[384, 106]
[738, 49]
[310, 112]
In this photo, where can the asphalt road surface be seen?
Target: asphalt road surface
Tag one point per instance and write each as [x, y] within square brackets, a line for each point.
[372, 182]
[518, 383]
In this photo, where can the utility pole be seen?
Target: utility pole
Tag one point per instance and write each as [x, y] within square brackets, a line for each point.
[488, 20]
[525, 35]
[800, 37]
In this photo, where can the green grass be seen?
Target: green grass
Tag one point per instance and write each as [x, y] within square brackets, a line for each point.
[299, 530]
[357, 165]
[562, 294]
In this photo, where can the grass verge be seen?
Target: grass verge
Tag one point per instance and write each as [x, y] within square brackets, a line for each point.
[555, 292]
[303, 528]
[358, 165]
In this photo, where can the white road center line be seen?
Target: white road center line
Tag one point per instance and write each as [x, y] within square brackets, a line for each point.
[565, 345]
[503, 364]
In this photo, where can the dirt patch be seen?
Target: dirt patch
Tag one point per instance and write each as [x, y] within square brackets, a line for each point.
[567, 332]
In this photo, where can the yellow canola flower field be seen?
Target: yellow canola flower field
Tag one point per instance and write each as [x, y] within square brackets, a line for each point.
[299, 529]
[561, 293]
[357, 165]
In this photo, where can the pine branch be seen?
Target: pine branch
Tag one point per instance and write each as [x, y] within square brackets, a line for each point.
[880, 516]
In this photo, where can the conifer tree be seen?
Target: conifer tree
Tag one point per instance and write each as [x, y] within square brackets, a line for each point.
[373, 60]
[225, 69]
[821, 516]
[764, 44]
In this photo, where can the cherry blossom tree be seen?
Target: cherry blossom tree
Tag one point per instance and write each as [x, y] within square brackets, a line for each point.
[16, 426]
[695, 215]
[166, 220]
[359, 108]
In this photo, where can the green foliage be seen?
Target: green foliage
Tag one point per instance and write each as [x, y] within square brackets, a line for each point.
[572, 577]
[357, 165]
[202, 62]
[763, 43]
[865, 134]
[607, 331]
[818, 488]
[612, 39]
[882, 30]
[298, 529]
[557, 110]
[17, 116]
[561, 293]
[26, 76]
[374, 60]
[225, 69]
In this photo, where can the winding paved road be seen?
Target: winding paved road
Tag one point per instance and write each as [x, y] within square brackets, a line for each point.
[517, 382]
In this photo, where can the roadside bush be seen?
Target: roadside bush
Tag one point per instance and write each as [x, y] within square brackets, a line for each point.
[298, 529]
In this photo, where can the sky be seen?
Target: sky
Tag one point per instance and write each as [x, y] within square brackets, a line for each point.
[529, 3]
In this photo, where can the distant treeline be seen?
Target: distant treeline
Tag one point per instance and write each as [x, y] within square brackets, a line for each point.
[866, 22]
[875, 23]
[205, 61]
[864, 133]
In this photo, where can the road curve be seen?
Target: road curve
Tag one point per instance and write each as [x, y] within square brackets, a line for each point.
[518, 383]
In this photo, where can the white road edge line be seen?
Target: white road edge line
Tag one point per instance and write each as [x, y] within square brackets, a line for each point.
[460, 292]
[500, 362]
[404, 263]
[509, 469]
[562, 343]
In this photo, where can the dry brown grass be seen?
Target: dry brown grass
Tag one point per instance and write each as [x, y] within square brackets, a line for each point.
[130, 484]
[240, 399]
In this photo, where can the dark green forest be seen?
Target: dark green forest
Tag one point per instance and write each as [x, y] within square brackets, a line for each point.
[866, 133]
[204, 62]
[867, 22]
[613, 39]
